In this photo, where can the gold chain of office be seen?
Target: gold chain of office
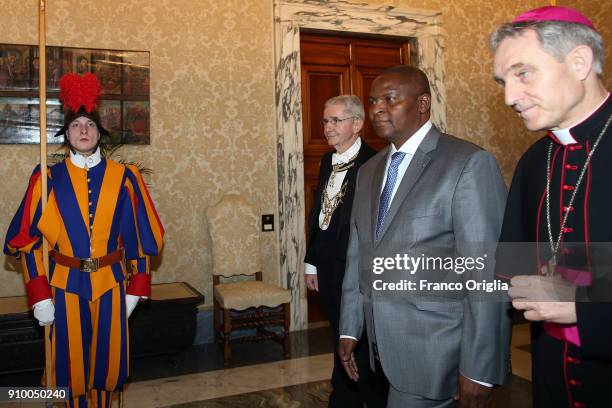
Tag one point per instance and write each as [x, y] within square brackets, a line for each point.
[330, 204]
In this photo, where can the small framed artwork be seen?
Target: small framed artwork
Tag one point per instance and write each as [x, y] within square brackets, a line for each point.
[14, 67]
[14, 114]
[136, 122]
[55, 116]
[14, 111]
[79, 61]
[107, 67]
[54, 67]
[55, 119]
[136, 73]
[20, 119]
[110, 115]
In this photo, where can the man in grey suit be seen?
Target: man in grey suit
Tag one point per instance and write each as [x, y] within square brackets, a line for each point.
[431, 194]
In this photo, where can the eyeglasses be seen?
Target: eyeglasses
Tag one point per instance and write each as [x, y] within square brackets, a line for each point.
[334, 120]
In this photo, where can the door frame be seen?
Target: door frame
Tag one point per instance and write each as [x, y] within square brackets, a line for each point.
[343, 16]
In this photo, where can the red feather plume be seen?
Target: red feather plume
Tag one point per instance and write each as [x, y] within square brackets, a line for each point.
[77, 91]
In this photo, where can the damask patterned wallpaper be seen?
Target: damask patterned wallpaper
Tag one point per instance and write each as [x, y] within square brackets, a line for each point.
[212, 104]
[211, 113]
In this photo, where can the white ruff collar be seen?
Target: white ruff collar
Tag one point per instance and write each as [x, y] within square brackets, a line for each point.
[86, 161]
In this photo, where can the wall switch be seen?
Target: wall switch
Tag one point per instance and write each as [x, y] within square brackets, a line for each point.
[267, 222]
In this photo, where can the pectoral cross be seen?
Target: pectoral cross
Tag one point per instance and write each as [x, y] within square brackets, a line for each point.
[548, 269]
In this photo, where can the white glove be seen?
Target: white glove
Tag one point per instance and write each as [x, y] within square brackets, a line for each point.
[44, 312]
[131, 301]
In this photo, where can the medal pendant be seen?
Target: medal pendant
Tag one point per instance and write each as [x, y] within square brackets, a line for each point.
[332, 180]
[325, 222]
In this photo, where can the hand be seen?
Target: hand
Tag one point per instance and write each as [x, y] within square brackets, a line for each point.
[471, 394]
[312, 281]
[347, 357]
[544, 298]
[131, 301]
[44, 312]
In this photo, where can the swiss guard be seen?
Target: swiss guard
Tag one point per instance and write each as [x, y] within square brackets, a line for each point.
[99, 216]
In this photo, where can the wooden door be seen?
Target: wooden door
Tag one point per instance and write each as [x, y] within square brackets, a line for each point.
[331, 66]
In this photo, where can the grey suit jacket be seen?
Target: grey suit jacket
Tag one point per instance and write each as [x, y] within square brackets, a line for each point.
[450, 202]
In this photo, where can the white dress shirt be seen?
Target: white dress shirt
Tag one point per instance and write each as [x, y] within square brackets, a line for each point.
[409, 147]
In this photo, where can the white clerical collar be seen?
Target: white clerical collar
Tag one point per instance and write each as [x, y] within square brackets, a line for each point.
[411, 145]
[348, 154]
[90, 161]
[565, 137]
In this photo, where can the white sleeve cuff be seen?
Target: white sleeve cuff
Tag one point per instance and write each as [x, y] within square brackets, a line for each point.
[480, 382]
[344, 336]
[42, 303]
[309, 269]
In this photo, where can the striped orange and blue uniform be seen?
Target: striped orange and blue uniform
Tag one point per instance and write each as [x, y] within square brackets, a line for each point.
[90, 213]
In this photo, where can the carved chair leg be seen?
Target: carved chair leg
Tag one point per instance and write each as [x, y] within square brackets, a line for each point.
[287, 322]
[227, 331]
[217, 321]
[260, 328]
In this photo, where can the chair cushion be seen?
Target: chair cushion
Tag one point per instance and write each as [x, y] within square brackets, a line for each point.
[245, 294]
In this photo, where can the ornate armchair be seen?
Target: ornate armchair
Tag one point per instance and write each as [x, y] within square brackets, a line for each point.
[244, 304]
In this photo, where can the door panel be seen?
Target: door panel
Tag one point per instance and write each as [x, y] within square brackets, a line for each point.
[324, 51]
[319, 83]
[377, 54]
[364, 76]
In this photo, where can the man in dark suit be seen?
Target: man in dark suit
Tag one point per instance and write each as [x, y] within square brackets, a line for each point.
[325, 258]
[550, 64]
[434, 194]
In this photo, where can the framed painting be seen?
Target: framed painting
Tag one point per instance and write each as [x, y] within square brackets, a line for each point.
[54, 63]
[19, 120]
[14, 67]
[136, 118]
[110, 115]
[107, 67]
[136, 74]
